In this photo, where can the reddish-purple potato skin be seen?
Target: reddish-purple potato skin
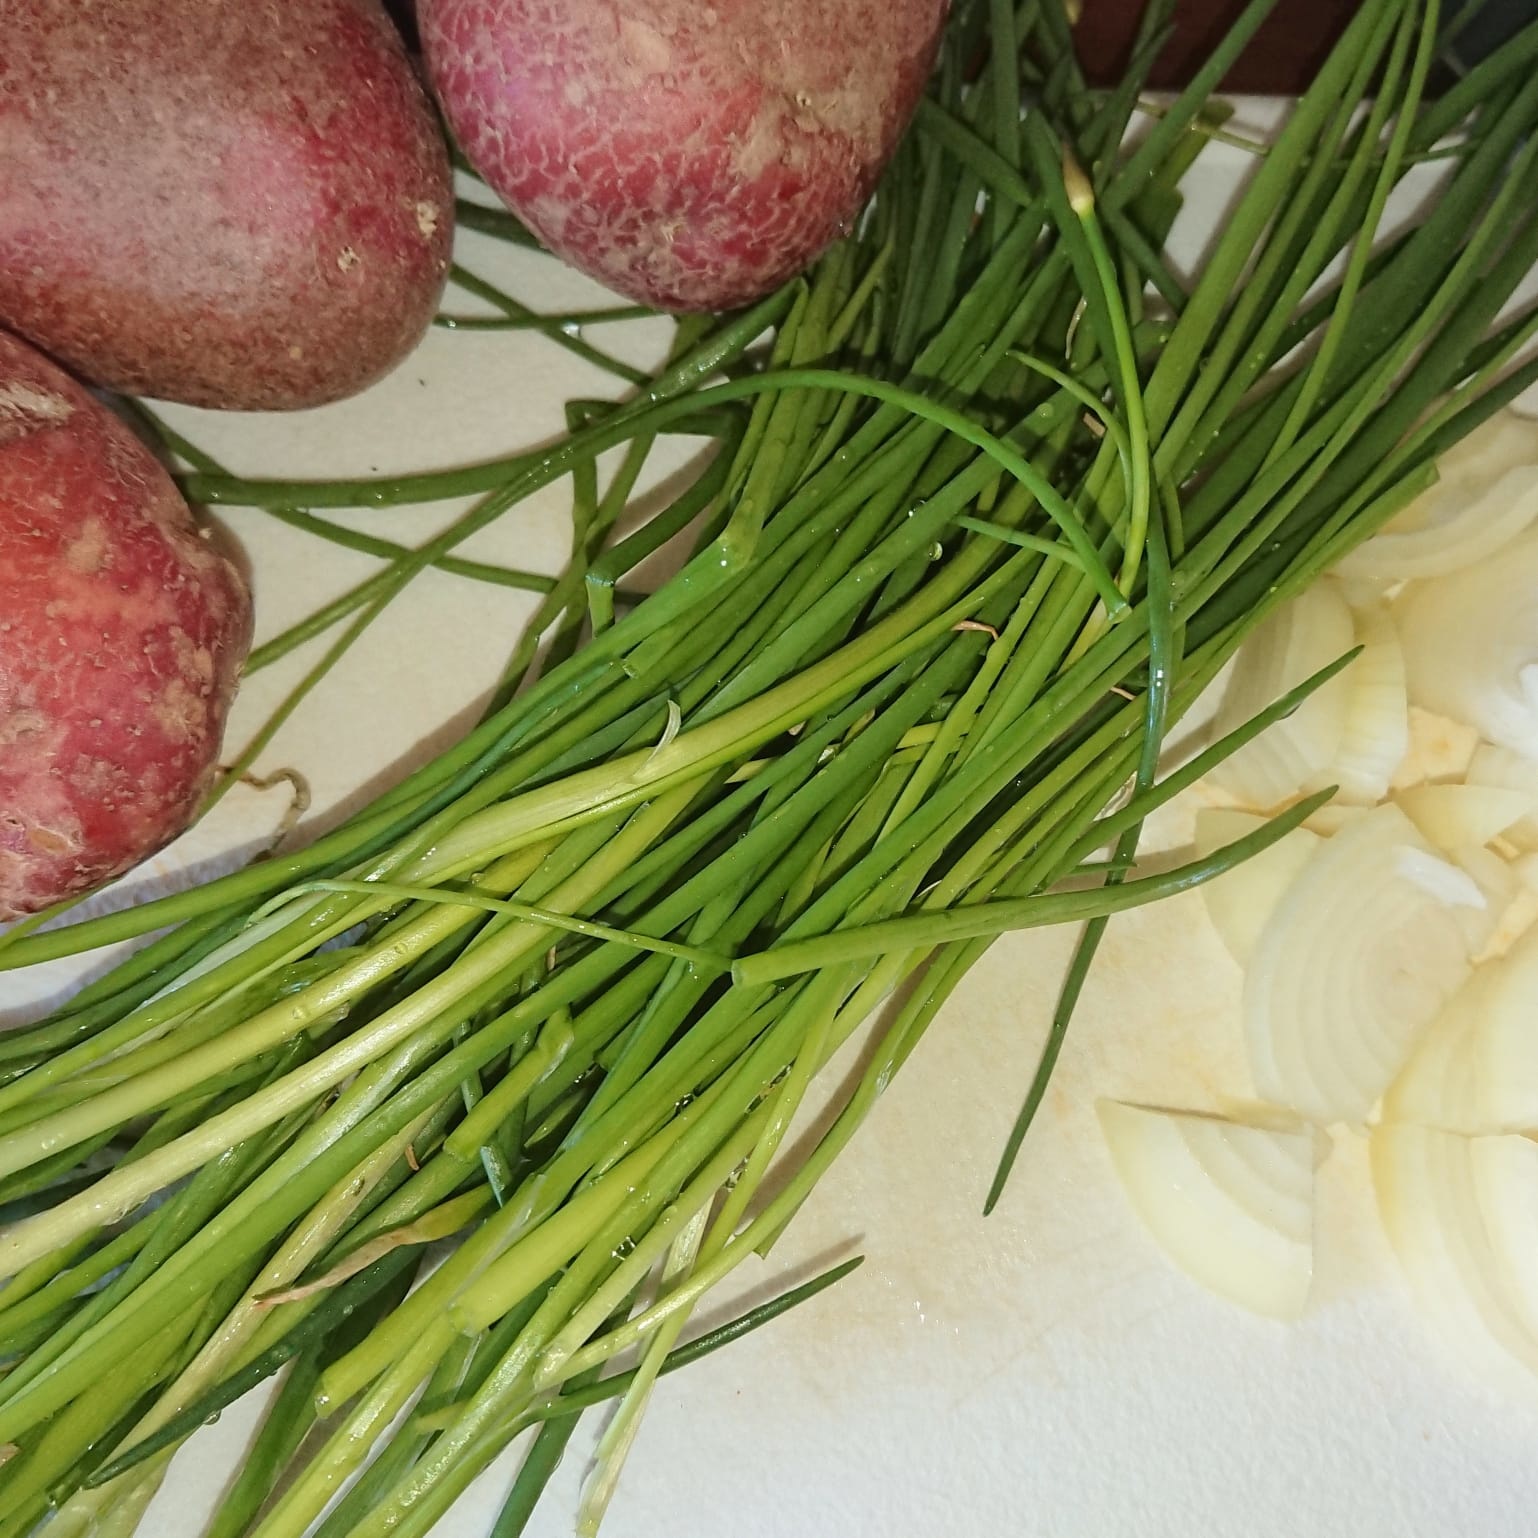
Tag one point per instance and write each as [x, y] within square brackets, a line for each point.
[122, 635]
[689, 155]
[243, 204]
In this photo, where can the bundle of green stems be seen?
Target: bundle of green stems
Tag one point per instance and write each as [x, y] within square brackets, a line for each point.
[984, 518]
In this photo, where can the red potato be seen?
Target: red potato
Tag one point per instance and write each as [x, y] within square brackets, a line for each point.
[691, 156]
[122, 634]
[235, 203]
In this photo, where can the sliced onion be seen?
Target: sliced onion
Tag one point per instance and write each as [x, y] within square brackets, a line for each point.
[1376, 735]
[1456, 816]
[1506, 1179]
[1521, 913]
[1486, 495]
[1240, 901]
[1451, 883]
[1491, 931]
[1437, 1087]
[1356, 961]
[1526, 867]
[1332, 817]
[1231, 1204]
[1505, 1044]
[1440, 749]
[1442, 1219]
[1500, 769]
[1471, 645]
[1442, 880]
[1287, 647]
[1476, 1068]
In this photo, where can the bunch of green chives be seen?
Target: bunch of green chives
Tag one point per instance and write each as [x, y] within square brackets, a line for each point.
[997, 506]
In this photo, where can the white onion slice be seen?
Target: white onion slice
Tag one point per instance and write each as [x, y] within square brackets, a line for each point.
[1376, 735]
[1471, 645]
[1332, 817]
[1440, 749]
[1455, 816]
[1451, 883]
[1506, 1179]
[1442, 1220]
[1232, 1205]
[1485, 496]
[1526, 867]
[1438, 1087]
[1489, 931]
[1441, 880]
[1505, 1044]
[1289, 646]
[1476, 1068]
[1241, 900]
[1356, 961]
[1521, 913]
[1500, 769]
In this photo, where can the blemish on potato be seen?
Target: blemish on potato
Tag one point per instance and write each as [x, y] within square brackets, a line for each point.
[347, 259]
[24, 410]
[87, 552]
[644, 46]
[19, 724]
[50, 842]
[178, 712]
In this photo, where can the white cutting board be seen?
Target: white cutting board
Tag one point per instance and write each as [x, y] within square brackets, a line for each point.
[1043, 1372]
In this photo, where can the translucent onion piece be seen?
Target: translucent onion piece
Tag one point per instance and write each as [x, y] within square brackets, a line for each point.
[1520, 914]
[1501, 769]
[1506, 1179]
[1332, 817]
[1451, 884]
[1505, 1045]
[1440, 749]
[1455, 816]
[1356, 961]
[1526, 867]
[1476, 1068]
[1451, 1231]
[1376, 736]
[1232, 1205]
[1471, 646]
[1487, 494]
[1486, 929]
[1240, 902]
[1438, 1087]
[1292, 756]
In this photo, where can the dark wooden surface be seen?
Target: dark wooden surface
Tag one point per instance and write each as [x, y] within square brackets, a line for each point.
[1281, 59]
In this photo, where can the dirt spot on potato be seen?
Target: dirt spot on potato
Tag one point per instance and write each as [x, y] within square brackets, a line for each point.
[49, 841]
[88, 552]
[179, 713]
[26, 409]
[646, 49]
[195, 663]
[99, 779]
[19, 724]
[17, 398]
[759, 149]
